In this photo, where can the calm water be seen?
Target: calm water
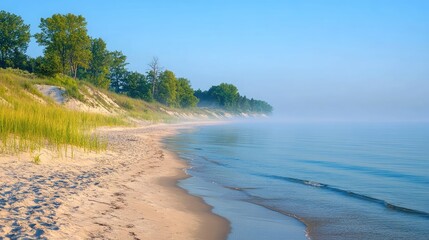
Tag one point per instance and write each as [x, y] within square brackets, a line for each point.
[341, 181]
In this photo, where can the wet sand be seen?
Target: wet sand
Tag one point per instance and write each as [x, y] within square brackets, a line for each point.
[126, 192]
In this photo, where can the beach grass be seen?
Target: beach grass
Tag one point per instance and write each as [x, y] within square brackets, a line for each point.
[139, 109]
[29, 120]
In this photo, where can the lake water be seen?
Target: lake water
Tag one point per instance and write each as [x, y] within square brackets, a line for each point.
[275, 180]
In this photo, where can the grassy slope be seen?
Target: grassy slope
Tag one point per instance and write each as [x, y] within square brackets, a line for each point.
[29, 120]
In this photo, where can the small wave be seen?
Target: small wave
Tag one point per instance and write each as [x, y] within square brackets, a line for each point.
[240, 189]
[369, 170]
[349, 193]
[256, 201]
[314, 184]
[214, 162]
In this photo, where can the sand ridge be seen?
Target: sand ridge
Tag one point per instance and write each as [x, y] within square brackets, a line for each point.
[127, 192]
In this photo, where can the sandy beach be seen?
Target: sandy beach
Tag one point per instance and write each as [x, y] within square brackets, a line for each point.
[126, 192]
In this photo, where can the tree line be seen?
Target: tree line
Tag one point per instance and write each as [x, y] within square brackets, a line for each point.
[69, 50]
[226, 96]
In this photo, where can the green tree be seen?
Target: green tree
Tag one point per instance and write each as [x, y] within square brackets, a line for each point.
[185, 94]
[244, 104]
[98, 70]
[118, 71]
[44, 67]
[14, 39]
[260, 106]
[67, 44]
[167, 89]
[136, 86]
[226, 95]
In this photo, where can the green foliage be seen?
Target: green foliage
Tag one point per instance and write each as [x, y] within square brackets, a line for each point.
[118, 72]
[226, 96]
[98, 70]
[136, 86]
[139, 109]
[71, 86]
[67, 44]
[167, 89]
[185, 94]
[126, 104]
[26, 124]
[45, 67]
[70, 52]
[14, 39]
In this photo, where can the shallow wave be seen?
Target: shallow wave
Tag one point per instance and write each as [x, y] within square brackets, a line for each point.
[257, 201]
[214, 162]
[330, 188]
[368, 170]
[348, 193]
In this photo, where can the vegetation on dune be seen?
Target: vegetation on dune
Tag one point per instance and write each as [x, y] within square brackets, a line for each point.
[79, 63]
[69, 50]
[27, 124]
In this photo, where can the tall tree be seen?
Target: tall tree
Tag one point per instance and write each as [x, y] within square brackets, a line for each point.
[118, 71]
[226, 95]
[136, 86]
[67, 44]
[154, 75]
[185, 94]
[99, 64]
[167, 89]
[14, 39]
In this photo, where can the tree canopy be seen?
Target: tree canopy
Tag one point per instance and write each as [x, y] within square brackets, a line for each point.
[226, 96]
[99, 64]
[136, 86]
[167, 89]
[69, 50]
[14, 39]
[67, 44]
[117, 71]
[185, 94]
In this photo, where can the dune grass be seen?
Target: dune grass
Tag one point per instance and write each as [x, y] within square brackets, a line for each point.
[28, 125]
[140, 109]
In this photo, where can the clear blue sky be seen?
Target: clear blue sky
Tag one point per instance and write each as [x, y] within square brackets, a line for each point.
[361, 59]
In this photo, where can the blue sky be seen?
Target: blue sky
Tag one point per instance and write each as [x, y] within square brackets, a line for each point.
[359, 60]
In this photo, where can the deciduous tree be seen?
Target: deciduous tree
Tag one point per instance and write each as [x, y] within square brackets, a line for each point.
[14, 39]
[137, 86]
[98, 70]
[118, 71]
[225, 94]
[67, 44]
[185, 94]
[167, 89]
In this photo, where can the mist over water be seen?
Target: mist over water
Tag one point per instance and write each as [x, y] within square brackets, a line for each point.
[340, 180]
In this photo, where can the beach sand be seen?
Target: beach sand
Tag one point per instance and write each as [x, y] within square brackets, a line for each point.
[126, 192]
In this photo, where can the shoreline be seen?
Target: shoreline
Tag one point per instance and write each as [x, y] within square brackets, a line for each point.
[129, 191]
[216, 227]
